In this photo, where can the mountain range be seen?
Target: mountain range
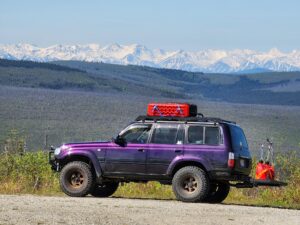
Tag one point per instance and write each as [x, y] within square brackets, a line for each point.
[207, 61]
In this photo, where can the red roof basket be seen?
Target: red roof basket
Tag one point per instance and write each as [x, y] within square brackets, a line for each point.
[172, 110]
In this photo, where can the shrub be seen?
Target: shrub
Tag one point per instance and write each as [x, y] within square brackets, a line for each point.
[30, 173]
[27, 173]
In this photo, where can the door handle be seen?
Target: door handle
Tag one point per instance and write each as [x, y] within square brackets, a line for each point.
[141, 150]
[177, 150]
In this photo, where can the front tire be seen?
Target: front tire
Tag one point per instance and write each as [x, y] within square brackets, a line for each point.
[76, 179]
[190, 184]
[218, 192]
[105, 189]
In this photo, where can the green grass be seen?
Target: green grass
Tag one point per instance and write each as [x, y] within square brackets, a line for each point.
[31, 174]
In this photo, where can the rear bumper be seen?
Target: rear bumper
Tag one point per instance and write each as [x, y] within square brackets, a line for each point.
[242, 180]
[228, 175]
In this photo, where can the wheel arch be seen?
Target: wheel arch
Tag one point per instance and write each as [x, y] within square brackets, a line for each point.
[182, 164]
[87, 158]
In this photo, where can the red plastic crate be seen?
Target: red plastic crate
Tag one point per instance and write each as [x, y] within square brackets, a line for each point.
[172, 109]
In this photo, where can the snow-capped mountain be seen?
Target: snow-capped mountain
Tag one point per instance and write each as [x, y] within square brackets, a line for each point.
[214, 61]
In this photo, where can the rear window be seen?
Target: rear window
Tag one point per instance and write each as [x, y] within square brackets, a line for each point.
[195, 135]
[203, 135]
[212, 135]
[238, 138]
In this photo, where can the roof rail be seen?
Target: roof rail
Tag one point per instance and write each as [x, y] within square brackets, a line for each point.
[184, 119]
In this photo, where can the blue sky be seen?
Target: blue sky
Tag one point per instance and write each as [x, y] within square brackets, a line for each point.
[166, 24]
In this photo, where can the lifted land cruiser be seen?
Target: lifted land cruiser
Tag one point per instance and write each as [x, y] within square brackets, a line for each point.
[200, 157]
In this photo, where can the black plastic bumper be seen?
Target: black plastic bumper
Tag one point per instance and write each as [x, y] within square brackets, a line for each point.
[228, 175]
[242, 180]
[53, 162]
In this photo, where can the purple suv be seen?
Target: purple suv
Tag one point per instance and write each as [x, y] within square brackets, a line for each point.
[198, 156]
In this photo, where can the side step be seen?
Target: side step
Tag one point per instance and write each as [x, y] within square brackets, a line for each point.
[255, 183]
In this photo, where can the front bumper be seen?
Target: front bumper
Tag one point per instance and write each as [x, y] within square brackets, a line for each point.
[53, 161]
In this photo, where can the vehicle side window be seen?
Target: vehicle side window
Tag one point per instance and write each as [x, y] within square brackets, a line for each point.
[195, 135]
[200, 135]
[137, 134]
[212, 136]
[165, 134]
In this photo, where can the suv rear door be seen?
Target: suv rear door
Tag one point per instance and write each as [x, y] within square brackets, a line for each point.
[166, 143]
[205, 142]
[240, 149]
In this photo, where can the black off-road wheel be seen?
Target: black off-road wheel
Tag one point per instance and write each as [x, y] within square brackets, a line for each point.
[190, 184]
[218, 192]
[76, 179]
[104, 190]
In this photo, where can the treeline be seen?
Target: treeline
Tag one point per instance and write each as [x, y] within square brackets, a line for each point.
[31, 64]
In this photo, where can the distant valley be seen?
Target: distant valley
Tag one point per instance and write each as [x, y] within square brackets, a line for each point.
[63, 101]
[272, 88]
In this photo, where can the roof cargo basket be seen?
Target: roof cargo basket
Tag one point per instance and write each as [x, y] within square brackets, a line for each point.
[171, 109]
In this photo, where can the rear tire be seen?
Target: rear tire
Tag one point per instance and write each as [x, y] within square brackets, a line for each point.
[190, 184]
[76, 179]
[218, 192]
[105, 189]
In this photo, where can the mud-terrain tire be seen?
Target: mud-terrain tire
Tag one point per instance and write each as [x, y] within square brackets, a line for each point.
[218, 192]
[76, 179]
[105, 189]
[190, 184]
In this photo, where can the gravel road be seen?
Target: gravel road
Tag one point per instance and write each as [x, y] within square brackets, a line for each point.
[28, 209]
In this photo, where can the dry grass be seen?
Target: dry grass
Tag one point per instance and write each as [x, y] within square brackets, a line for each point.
[31, 174]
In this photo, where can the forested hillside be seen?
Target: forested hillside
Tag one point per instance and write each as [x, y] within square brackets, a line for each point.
[265, 88]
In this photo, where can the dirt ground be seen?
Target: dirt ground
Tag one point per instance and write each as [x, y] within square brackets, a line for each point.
[29, 209]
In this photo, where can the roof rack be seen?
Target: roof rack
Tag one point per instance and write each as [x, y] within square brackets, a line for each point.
[184, 119]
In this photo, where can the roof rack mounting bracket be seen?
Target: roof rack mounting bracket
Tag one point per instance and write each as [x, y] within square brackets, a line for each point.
[184, 119]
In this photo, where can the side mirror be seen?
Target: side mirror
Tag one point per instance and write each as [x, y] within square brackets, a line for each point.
[119, 141]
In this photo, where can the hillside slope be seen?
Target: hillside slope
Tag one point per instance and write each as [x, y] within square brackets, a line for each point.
[265, 88]
[282, 88]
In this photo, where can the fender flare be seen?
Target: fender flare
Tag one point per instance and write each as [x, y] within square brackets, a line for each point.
[193, 160]
[83, 153]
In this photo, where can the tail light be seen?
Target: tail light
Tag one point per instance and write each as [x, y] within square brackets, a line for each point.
[231, 160]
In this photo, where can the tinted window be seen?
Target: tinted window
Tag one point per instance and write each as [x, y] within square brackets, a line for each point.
[195, 135]
[137, 134]
[212, 135]
[238, 138]
[165, 134]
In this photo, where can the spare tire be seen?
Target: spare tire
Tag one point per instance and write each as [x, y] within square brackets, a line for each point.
[104, 190]
[218, 192]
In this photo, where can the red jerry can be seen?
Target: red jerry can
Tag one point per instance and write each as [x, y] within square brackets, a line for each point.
[264, 171]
